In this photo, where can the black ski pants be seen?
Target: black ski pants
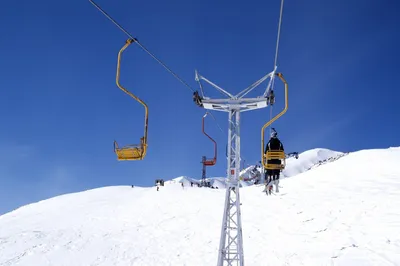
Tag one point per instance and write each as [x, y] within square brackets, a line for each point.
[272, 174]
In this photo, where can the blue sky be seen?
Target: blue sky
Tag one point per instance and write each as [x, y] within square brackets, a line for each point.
[61, 110]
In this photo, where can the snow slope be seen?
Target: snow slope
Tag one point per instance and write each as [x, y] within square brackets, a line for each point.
[345, 212]
[306, 161]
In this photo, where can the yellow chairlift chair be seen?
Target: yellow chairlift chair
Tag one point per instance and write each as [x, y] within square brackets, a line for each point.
[134, 151]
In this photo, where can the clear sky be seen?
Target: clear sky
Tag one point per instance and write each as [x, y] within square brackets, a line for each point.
[61, 109]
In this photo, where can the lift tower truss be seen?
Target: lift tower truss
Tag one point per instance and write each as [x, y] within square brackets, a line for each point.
[231, 241]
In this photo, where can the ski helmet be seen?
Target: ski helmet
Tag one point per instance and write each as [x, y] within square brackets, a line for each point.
[273, 133]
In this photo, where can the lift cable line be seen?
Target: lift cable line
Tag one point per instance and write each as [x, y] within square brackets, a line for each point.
[216, 122]
[279, 35]
[142, 46]
[270, 87]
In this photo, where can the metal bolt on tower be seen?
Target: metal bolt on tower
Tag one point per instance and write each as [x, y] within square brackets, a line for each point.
[231, 241]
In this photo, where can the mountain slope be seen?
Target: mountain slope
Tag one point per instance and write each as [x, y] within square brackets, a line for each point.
[340, 213]
[306, 161]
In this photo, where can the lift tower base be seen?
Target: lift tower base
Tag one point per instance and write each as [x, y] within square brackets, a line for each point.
[231, 242]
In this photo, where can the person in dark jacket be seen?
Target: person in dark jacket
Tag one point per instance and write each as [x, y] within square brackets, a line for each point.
[272, 175]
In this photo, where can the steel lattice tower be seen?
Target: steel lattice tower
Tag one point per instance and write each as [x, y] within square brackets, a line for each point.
[231, 241]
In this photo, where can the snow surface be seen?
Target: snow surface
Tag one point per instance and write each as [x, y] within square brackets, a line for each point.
[306, 161]
[344, 212]
[310, 159]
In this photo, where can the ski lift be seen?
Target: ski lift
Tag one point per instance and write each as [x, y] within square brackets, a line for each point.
[134, 151]
[270, 155]
[213, 161]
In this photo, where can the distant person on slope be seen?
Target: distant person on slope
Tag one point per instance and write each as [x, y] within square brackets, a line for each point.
[272, 175]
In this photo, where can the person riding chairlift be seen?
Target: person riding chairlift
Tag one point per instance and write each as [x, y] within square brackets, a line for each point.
[272, 175]
[270, 97]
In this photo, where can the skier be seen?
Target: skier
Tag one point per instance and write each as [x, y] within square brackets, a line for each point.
[270, 97]
[272, 175]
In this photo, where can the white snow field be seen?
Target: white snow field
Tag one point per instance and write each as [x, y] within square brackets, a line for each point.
[344, 212]
[306, 161]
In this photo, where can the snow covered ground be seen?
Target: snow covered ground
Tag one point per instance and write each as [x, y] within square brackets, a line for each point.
[344, 212]
[306, 161]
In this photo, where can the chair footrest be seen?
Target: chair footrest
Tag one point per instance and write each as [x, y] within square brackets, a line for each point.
[129, 153]
[274, 166]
